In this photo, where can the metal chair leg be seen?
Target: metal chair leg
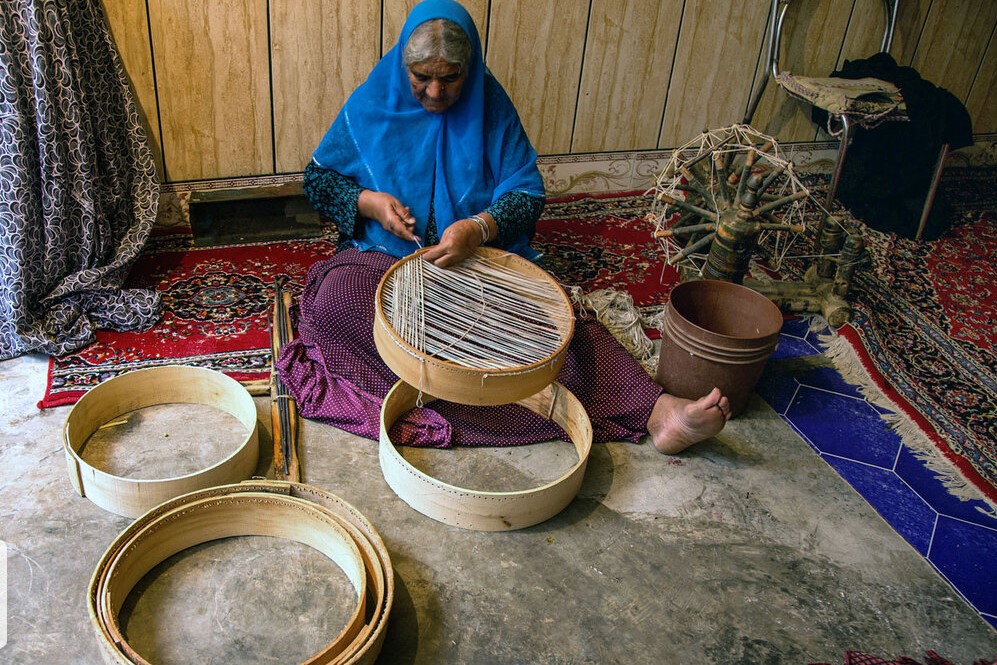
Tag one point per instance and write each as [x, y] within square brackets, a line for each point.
[771, 70]
[932, 190]
[847, 132]
[830, 234]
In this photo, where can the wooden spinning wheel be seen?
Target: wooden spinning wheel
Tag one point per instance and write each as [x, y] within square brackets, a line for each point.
[729, 197]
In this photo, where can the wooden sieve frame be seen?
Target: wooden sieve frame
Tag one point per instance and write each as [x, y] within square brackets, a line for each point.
[483, 510]
[467, 385]
[172, 384]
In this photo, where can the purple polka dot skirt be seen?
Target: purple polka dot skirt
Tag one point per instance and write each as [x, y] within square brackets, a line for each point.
[334, 372]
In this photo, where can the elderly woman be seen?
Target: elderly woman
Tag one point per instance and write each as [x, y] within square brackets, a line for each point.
[429, 151]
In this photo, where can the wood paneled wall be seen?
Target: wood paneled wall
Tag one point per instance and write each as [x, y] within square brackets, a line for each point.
[233, 88]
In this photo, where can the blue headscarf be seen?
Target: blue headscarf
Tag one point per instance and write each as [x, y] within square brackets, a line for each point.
[475, 152]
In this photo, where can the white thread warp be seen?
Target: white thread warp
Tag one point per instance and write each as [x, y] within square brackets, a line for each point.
[479, 314]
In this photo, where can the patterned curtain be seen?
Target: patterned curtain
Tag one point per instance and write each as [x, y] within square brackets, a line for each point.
[78, 186]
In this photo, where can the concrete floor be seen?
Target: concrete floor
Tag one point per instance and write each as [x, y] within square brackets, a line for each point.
[745, 549]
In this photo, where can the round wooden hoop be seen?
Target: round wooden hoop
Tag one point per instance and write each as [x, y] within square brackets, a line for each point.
[294, 511]
[466, 385]
[149, 387]
[480, 510]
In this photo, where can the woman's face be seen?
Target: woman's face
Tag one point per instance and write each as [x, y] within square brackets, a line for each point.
[436, 84]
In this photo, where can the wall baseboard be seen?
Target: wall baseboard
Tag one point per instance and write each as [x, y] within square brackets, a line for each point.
[594, 173]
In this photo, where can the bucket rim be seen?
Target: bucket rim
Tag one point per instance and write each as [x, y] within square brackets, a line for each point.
[763, 301]
[701, 349]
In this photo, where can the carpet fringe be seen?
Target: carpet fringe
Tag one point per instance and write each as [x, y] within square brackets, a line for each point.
[846, 360]
[616, 310]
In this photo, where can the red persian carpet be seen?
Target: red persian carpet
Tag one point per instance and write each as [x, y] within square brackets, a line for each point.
[925, 323]
[925, 330]
[603, 242]
[931, 658]
[217, 304]
[217, 300]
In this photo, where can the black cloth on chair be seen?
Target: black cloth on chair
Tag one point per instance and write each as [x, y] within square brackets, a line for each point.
[889, 168]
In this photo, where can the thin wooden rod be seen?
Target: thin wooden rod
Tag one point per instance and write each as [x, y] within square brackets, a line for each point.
[795, 196]
[678, 203]
[685, 230]
[692, 249]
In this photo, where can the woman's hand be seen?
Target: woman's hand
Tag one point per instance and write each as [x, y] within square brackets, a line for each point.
[459, 240]
[391, 213]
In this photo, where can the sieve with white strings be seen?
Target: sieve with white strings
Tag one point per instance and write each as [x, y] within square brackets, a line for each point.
[491, 330]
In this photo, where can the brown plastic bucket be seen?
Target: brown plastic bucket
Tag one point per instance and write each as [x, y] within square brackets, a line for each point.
[716, 333]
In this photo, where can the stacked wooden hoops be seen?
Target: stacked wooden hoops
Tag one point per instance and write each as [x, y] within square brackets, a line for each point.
[496, 289]
[293, 511]
[174, 514]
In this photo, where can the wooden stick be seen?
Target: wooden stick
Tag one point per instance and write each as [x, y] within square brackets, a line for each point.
[770, 178]
[709, 152]
[721, 165]
[695, 182]
[775, 223]
[257, 387]
[688, 207]
[796, 196]
[283, 410]
[684, 230]
[749, 162]
[794, 228]
[691, 249]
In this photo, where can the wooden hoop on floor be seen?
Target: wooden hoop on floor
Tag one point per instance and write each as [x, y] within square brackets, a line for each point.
[149, 387]
[481, 510]
[464, 384]
[294, 511]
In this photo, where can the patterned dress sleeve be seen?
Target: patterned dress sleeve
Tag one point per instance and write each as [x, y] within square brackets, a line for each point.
[515, 214]
[334, 196]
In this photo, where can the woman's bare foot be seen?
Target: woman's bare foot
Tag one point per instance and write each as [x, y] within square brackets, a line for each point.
[677, 423]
